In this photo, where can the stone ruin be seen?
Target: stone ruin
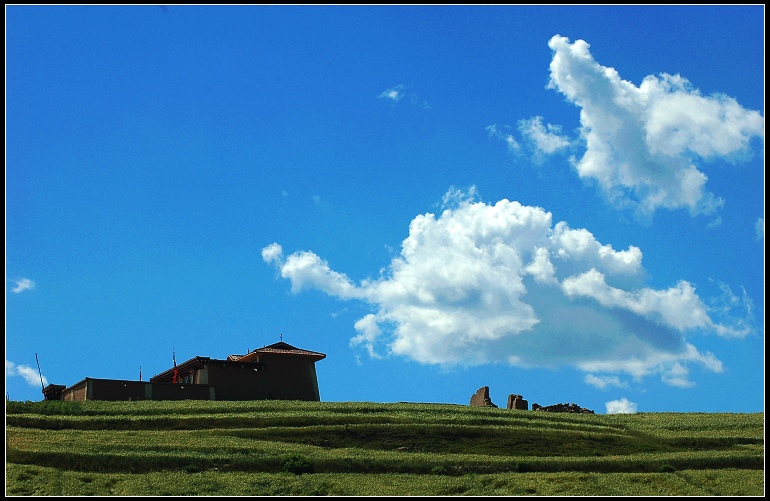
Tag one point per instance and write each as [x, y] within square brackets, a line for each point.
[572, 408]
[481, 398]
[517, 402]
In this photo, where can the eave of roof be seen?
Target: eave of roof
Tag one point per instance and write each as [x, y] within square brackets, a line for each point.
[279, 348]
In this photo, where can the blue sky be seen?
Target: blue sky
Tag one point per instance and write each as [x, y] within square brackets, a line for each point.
[561, 202]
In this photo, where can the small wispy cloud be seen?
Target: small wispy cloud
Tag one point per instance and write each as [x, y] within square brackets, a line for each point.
[603, 382]
[677, 376]
[395, 94]
[547, 139]
[538, 140]
[335, 314]
[454, 197]
[730, 305]
[497, 132]
[759, 228]
[622, 406]
[398, 93]
[23, 284]
[30, 375]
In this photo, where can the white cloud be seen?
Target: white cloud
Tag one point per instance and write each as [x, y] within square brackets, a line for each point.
[306, 270]
[642, 143]
[759, 228]
[737, 311]
[677, 307]
[547, 140]
[455, 197]
[603, 382]
[368, 332]
[335, 314]
[30, 375]
[538, 140]
[622, 406]
[508, 138]
[398, 93]
[668, 364]
[485, 283]
[272, 252]
[395, 94]
[23, 284]
[676, 375]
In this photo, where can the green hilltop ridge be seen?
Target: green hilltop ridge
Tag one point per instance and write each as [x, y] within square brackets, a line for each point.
[280, 447]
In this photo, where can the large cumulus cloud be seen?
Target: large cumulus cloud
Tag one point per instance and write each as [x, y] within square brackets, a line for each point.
[642, 142]
[483, 283]
[645, 147]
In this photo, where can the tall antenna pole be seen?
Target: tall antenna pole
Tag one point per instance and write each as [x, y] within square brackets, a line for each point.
[41, 374]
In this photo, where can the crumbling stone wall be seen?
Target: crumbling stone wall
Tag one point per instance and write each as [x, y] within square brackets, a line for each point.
[573, 408]
[517, 402]
[481, 398]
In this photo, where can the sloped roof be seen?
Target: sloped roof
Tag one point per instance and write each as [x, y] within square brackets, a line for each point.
[191, 365]
[279, 348]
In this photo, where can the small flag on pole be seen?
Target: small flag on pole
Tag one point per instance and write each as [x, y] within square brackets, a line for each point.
[140, 373]
[176, 374]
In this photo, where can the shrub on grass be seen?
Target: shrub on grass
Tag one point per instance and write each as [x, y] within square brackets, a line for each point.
[439, 470]
[192, 468]
[297, 464]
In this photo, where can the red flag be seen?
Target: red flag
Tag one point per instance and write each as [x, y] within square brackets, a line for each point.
[176, 374]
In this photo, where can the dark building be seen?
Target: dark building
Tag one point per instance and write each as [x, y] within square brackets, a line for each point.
[118, 389]
[279, 371]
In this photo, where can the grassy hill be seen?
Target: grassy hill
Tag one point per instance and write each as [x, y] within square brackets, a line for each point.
[363, 448]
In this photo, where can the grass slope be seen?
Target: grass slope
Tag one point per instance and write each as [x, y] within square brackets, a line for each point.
[363, 448]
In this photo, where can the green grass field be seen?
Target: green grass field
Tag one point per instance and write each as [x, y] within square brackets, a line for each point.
[362, 448]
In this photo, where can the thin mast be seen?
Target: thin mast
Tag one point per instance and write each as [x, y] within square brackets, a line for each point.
[41, 374]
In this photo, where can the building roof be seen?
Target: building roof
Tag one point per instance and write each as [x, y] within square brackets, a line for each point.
[192, 365]
[184, 367]
[279, 348]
